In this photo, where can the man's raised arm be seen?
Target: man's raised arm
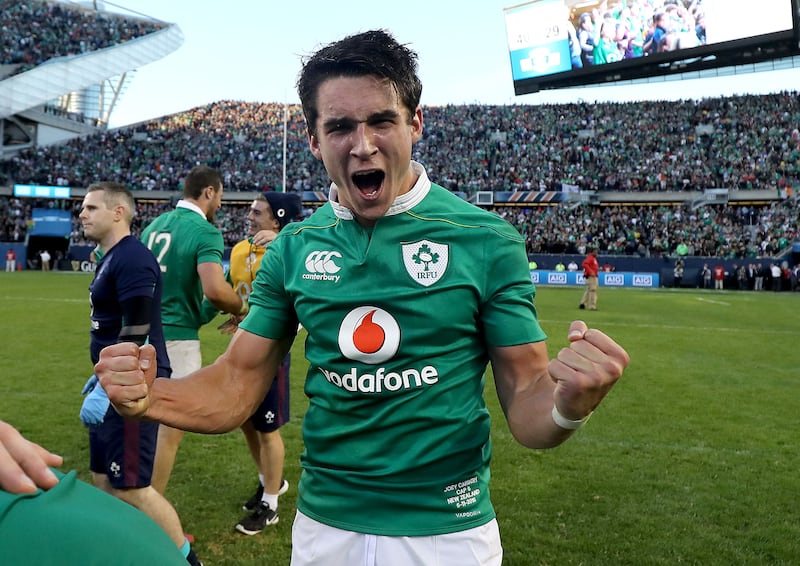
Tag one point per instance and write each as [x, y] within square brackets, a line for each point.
[214, 399]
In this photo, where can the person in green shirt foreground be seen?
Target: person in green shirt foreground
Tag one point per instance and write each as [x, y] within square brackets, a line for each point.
[48, 517]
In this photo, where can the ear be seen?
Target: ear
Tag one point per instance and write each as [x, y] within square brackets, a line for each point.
[416, 125]
[313, 144]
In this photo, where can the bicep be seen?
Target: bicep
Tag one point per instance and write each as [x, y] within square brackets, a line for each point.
[253, 361]
[219, 397]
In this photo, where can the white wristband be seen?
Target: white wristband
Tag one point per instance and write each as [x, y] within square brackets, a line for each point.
[566, 423]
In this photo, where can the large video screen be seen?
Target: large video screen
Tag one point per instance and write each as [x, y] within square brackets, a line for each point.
[556, 43]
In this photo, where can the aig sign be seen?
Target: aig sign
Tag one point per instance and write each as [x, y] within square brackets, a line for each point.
[559, 278]
[642, 280]
[615, 279]
[534, 277]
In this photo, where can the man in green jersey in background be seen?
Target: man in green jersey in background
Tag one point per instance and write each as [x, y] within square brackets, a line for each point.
[189, 250]
[407, 293]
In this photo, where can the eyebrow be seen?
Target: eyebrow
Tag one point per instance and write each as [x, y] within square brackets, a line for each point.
[386, 114]
[376, 117]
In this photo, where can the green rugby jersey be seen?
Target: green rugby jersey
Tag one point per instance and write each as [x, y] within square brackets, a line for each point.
[399, 320]
[181, 240]
[75, 524]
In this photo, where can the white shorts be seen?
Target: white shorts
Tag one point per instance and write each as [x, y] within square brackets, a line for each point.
[315, 544]
[184, 357]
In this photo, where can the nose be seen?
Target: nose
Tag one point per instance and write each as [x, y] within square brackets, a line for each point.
[363, 144]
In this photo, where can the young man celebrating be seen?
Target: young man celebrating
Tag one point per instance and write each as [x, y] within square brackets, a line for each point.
[125, 296]
[407, 292]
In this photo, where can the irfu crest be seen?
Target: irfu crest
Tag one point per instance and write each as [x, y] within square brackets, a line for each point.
[426, 261]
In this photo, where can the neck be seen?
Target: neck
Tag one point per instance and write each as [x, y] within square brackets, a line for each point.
[202, 204]
[113, 239]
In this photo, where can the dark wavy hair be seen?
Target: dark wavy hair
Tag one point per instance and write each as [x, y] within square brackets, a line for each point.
[372, 53]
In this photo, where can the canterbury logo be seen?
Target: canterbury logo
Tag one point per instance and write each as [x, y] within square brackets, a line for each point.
[321, 266]
[322, 262]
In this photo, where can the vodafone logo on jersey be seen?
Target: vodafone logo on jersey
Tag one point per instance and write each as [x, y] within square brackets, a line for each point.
[370, 335]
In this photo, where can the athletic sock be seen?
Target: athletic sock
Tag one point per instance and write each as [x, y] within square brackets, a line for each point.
[271, 500]
[186, 548]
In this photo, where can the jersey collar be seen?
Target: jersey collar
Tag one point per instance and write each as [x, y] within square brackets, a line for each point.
[191, 206]
[403, 203]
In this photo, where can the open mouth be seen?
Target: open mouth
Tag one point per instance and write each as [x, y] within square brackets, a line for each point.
[368, 182]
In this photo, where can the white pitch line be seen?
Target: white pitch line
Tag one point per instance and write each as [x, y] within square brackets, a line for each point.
[713, 301]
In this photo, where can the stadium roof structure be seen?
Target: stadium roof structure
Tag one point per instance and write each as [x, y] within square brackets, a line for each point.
[76, 94]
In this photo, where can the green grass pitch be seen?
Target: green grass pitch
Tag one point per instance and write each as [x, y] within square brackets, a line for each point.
[692, 459]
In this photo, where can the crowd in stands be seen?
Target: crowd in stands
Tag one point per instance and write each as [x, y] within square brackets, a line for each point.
[723, 231]
[14, 216]
[34, 31]
[738, 142]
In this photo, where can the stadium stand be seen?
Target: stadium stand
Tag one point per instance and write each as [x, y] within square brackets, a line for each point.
[35, 32]
[653, 147]
[63, 67]
[717, 176]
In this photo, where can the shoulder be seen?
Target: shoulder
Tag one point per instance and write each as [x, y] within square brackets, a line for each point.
[240, 251]
[192, 228]
[158, 221]
[133, 253]
[322, 216]
[240, 246]
[441, 205]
